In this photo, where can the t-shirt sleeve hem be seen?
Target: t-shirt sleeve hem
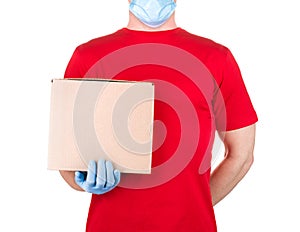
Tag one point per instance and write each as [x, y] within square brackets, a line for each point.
[241, 125]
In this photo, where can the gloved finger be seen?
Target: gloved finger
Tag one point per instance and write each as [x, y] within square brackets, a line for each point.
[101, 174]
[91, 175]
[79, 178]
[110, 178]
[117, 175]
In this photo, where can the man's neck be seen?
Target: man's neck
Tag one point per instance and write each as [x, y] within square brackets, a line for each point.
[135, 24]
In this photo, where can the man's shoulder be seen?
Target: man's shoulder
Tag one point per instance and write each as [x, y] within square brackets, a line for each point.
[203, 42]
[99, 42]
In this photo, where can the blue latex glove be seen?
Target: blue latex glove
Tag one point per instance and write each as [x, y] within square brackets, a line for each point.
[98, 180]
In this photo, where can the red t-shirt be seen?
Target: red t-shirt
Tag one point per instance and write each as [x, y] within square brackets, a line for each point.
[198, 90]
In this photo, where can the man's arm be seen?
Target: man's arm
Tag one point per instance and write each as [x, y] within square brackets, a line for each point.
[239, 146]
[69, 177]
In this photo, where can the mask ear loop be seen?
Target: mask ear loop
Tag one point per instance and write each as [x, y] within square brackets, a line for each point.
[169, 5]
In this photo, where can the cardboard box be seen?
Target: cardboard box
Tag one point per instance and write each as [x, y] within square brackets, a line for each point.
[98, 118]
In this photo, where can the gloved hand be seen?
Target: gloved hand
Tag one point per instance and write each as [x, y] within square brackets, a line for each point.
[98, 180]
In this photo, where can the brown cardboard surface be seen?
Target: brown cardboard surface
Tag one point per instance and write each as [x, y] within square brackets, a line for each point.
[97, 118]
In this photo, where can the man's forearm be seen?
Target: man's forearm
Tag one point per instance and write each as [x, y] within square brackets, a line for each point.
[227, 175]
[68, 176]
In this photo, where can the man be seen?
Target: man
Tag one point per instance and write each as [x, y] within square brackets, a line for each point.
[184, 202]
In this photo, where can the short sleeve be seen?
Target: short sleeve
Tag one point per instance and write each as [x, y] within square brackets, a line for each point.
[233, 108]
[75, 68]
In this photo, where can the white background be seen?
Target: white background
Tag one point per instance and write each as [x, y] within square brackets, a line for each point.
[38, 39]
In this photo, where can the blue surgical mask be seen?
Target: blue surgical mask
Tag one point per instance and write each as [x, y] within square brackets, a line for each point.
[153, 13]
